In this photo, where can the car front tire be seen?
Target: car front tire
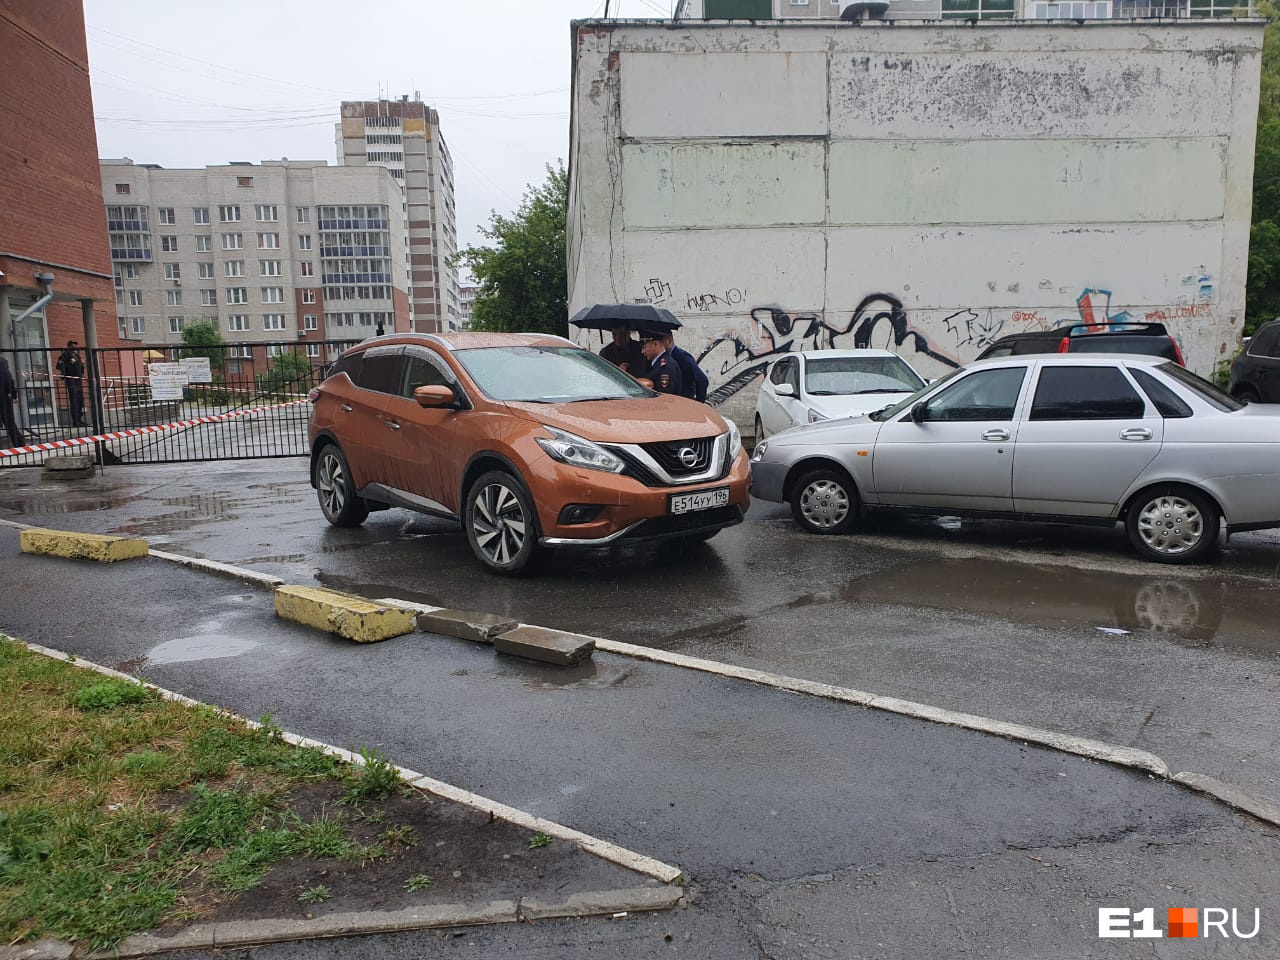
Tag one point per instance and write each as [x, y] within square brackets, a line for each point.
[339, 502]
[1173, 524]
[1248, 395]
[502, 524]
[825, 501]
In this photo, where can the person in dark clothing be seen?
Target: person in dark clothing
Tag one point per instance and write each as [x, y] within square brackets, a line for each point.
[9, 393]
[625, 353]
[663, 369]
[692, 377]
[71, 366]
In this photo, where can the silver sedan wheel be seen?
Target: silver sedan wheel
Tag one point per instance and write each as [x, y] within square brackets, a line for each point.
[331, 482]
[1171, 525]
[499, 523]
[824, 503]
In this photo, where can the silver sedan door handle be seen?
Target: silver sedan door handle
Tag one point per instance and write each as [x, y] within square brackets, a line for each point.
[996, 434]
[344, 407]
[1135, 433]
[393, 425]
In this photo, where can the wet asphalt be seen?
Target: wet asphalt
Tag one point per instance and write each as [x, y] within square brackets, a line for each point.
[808, 829]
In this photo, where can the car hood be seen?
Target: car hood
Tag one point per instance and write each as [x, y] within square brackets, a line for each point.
[826, 432]
[853, 405]
[629, 420]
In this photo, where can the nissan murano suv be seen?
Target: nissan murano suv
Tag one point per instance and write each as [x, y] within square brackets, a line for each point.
[528, 440]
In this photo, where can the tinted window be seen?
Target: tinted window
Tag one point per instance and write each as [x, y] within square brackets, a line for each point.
[1266, 342]
[1167, 402]
[986, 395]
[381, 372]
[1205, 390]
[1085, 393]
[350, 365]
[421, 372]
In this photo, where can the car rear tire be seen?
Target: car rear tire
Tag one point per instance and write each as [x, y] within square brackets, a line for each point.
[1173, 524]
[339, 502]
[1248, 395]
[502, 524]
[825, 501]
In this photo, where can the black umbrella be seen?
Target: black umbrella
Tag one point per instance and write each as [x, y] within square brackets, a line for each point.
[636, 316]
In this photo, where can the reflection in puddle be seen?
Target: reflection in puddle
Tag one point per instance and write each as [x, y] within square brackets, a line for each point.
[206, 646]
[589, 675]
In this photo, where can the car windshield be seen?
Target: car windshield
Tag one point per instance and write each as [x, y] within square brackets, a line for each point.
[893, 409]
[545, 374]
[1203, 389]
[842, 376]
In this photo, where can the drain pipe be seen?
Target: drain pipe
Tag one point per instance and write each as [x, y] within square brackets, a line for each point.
[46, 284]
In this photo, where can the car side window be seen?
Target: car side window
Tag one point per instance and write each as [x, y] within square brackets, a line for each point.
[1166, 401]
[381, 372]
[350, 365]
[793, 375]
[421, 372]
[779, 374]
[1085, 393]
[984, 395]
[1266, 343]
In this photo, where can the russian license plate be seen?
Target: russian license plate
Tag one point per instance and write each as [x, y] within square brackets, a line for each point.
[698, 500]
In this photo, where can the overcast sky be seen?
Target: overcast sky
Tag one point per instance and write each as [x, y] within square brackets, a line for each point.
[187, 84]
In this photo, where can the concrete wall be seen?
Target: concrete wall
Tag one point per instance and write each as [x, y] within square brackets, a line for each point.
[926, 187]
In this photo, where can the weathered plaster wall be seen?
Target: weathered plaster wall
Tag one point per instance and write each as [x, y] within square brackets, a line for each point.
[927, 186]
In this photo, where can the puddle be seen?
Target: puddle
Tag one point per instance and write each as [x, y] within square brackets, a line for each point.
[205, 646]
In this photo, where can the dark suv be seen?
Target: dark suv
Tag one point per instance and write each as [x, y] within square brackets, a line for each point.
[1255, 373]
[1149, 339]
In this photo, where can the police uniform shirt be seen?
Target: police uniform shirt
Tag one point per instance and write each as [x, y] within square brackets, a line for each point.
[692, 377]
[665, 374]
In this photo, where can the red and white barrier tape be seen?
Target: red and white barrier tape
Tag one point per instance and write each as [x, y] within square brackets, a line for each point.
[142, 431]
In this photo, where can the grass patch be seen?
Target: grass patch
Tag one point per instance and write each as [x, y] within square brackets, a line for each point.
[120, 810]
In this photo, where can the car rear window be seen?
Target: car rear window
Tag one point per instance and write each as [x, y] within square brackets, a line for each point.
[1205, 390]
[1085, 393]
[381, 372]
[349, 364]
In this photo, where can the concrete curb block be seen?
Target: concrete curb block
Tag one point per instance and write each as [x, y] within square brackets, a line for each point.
[81, 546]
[417, 609]
[465, 624]
[222, 569]
[38, 950]
[353, 618]
[635, 899]
[1265, 810]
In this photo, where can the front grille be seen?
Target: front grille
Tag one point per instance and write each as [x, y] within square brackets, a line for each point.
[637, 470]
[696, 457]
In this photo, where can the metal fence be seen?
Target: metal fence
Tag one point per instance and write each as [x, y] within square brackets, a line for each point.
[168, 404]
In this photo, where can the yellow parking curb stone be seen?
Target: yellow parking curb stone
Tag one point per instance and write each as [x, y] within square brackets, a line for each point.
[355, 618]
[81, 546]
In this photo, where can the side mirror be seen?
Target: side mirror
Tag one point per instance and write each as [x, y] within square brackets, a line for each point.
[434, 396]
[920, 412]
[784, 390]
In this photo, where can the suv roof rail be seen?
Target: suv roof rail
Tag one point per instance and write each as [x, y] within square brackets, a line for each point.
[1113, 326]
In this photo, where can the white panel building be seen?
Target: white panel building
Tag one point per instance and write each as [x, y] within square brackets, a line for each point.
[924, 186]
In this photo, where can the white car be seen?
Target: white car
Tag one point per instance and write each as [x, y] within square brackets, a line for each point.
[815, 385]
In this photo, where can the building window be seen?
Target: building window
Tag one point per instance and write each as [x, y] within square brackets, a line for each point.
[304, 241]
[244, 181]
[273, 294]
[306, 269]
[274, 350]
[169, 244]
[200, 215]
[233, 268]
[173, 298]
[977, 9]
[209, 298]
[238, 322]
[304, 214]
[269, 268]
[138, 324]
[1074, 10]
[313, 349]
[229, 213]
[204, 244]
[122, 188]
[205, 271]
[165, 214]
[243, 352]
[309, 322]
[268, 241]
[176, 324]
[273, 321]
[266, 212]
[237, 295]
[232, 241]
[131, 271]
[124, 327]
[308, 296]
[135, 298]
[172, 271]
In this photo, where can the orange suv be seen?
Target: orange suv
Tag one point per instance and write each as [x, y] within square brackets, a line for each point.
[526, 439]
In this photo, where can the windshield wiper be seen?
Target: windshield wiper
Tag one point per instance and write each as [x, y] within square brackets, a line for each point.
[611, 396]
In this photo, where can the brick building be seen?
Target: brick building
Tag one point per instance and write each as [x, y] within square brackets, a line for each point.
[55, 283]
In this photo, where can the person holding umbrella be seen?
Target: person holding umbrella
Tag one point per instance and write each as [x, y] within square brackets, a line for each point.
[625, 353]
[663, 369]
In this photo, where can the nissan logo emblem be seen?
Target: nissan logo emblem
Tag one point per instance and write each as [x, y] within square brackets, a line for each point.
[688, 456]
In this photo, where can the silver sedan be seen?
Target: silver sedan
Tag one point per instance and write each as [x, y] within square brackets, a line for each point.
[1081, 438]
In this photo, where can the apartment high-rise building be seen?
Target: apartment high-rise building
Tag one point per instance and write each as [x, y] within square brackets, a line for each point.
[281, 250]
[404, 136]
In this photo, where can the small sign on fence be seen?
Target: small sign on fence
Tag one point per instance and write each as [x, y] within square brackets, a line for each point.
[167, 380]
[197, 368]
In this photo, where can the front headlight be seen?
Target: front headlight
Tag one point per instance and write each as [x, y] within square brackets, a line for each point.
[577, 452]
[815, 416]
[735, 440]
[758, 453]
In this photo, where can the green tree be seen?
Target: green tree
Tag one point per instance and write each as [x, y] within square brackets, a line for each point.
[287, 373]
[522, 276]
[1262, 294]
[202, 339]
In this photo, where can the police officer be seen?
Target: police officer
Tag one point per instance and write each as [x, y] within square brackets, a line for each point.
[72, 369]
[9, 393]
[663, 369]
[693, 380]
